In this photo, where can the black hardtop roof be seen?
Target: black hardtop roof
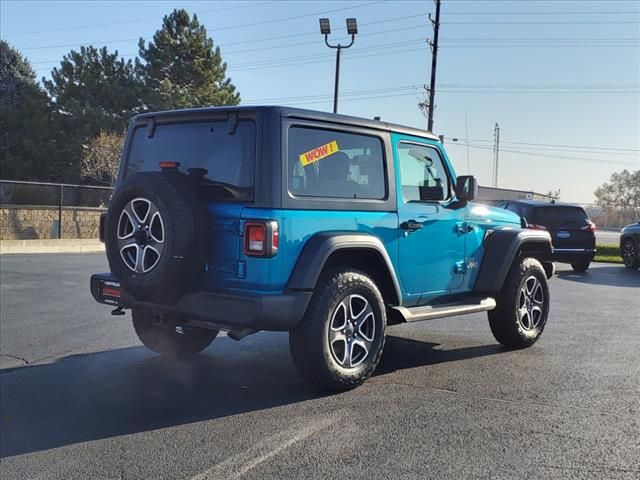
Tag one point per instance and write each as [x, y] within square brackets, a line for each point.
[543, 203]
[299, 113]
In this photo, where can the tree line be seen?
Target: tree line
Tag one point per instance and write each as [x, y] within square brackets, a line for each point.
[69, 128]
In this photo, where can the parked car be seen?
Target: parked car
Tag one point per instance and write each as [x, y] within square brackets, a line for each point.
[327, 226]
[572, 233]
[630, 245]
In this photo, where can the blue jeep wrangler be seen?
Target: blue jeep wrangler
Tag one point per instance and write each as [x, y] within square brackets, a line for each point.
[327, 226]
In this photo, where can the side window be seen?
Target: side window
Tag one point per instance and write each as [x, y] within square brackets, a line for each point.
[513, 207]
[328, 163]
[423, 174]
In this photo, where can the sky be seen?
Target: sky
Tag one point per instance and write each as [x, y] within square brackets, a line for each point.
[561, 77]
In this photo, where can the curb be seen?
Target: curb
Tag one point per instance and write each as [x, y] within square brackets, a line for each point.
[8, 247]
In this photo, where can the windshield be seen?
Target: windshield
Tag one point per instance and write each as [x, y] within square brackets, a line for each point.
[228, 158]
[559, 216]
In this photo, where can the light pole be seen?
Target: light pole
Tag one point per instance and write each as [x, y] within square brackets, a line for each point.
[325, 29]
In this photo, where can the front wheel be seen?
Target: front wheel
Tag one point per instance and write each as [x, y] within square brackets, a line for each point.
[338, 343]
[630, 254]
[170, 338]
[522, 306]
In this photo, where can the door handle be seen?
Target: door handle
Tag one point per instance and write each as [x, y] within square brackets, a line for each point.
[411, 225]
[463, 227]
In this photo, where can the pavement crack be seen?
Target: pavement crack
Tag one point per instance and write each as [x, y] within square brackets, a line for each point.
[15, 357]
[504, 400]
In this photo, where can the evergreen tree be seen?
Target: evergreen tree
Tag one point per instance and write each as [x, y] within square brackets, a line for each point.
[96, 89]
[29, 129]
[182, 67]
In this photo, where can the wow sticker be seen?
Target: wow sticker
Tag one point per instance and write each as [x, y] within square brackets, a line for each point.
[319, 153]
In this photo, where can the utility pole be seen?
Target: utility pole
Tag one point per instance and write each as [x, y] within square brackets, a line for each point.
[496, 151]
[466, 132]
[434, 61]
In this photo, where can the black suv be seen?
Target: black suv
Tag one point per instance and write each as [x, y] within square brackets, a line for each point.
[572, 233]
[630, 245]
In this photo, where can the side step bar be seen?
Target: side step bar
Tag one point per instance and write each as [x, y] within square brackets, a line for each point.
[431, 312]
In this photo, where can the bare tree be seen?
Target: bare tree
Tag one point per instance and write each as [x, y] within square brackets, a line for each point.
[621, 195]
[101, 157]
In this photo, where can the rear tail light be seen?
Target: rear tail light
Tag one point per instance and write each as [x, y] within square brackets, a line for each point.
[169, 165]
[261, 239]
[537, 227]
[110, 293]
[590, 226]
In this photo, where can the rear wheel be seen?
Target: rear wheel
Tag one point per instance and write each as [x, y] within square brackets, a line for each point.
[338, 343]
[169, 337]
[581, 265]
[630, 254]
[522, 306]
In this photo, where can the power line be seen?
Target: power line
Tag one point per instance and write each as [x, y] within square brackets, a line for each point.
[586, 147]
[257, 40]
[548, 13]
[547, 23]
[79, 27]
[597, 42]
[560, 157]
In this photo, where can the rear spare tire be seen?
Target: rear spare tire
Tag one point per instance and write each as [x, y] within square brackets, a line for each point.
[155, 236]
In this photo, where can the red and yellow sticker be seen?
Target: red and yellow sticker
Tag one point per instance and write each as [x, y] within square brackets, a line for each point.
[307, 158]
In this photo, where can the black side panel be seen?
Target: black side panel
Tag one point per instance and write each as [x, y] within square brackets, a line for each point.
[500, 249]
[320, 247]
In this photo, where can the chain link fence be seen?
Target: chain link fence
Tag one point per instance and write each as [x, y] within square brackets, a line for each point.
[30, 210]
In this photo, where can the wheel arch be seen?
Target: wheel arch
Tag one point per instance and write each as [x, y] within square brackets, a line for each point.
[355, 251]
[502, 247]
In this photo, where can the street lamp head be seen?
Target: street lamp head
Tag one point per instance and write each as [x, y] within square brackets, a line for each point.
[325, 27]
[352, 26]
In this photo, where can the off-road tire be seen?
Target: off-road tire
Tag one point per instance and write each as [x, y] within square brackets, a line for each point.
[630, 254]
[504, 320]
[309, 340]
[162, 337]
[580, 266]
[186, 232]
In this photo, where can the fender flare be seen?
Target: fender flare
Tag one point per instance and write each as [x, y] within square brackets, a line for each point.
[321, 246]
[501, 248]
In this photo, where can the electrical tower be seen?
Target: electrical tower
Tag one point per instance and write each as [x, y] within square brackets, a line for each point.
[496, 151]
[429, 103]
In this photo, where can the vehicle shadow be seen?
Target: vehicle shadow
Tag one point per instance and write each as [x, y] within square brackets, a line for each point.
[130, 390]
[614, 276]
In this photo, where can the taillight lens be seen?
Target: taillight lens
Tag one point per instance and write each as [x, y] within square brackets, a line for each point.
[254, 243]
[590, 226]
[261, 239]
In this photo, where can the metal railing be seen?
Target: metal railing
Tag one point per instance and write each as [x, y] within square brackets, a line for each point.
[31, 210]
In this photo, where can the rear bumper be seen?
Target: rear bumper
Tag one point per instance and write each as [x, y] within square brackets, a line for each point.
[568, 255]
[233, 312]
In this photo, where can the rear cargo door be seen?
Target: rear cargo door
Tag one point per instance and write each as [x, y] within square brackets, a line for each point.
[219, 155]
[223, 260]
[568, 226]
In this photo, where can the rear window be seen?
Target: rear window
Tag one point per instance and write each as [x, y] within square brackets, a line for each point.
[558, 216]
[328, 163]
[228, 158]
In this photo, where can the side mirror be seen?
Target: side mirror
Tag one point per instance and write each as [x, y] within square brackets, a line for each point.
[466, 188]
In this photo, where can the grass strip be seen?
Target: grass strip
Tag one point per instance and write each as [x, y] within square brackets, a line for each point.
[608, 253]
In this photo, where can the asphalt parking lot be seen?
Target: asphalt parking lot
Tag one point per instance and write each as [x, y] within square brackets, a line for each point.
[80, 398]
